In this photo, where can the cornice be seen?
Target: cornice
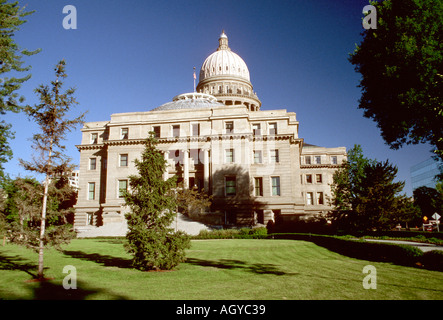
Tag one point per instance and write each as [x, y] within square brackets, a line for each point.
[320, 166]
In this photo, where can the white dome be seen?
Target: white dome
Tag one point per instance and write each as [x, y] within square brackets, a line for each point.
[224, 62]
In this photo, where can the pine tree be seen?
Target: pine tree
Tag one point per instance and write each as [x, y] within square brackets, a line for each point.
[51, 116]
[152, 202]
[11, 17]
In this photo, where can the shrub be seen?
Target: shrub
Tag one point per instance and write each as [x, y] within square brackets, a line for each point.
[433, 260]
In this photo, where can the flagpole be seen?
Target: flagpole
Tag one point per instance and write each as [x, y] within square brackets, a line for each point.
[194, 79]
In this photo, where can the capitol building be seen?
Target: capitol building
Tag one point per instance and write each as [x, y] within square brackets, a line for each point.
[218, 139]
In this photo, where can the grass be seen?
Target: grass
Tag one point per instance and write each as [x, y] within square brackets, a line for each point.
[215, 269]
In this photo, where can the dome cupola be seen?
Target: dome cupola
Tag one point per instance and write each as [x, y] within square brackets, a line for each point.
[225, 75]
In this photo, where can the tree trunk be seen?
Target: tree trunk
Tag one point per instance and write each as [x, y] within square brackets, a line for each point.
[42, 230]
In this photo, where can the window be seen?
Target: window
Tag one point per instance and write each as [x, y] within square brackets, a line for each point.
[157, 131]
[92, 163]
[176, 131]
[320, 199]
[229, 156]
[318, 178]
[258, 156]
[195, 129]
[274, 156]
[122, 188]
[309, 178]
[94, 138]
[273, 128]
[334, 160]
[89, 219]
[91, 191]
[258, 187]
[123, 160]
[230, 186]
[309, 198]
[229, 126]
[275, 184]
[256, 129]
[307, 159]
[124, 133]
[317, 159]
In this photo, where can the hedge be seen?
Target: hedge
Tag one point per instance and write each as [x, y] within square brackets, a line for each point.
[244, 233]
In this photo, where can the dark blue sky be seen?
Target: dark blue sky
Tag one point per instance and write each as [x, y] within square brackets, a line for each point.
[135, 55]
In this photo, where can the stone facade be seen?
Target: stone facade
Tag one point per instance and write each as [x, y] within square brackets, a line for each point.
[252, 161]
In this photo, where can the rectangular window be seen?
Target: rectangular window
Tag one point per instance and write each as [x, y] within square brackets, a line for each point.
[309, 198]
[317, 159]
[229, 126]
[274, 156]
[195, 129]
[123, 160]
[320, 199]
[94, 138]
[230, 186]
[307, 159]
[91, 191]
[92, 163]
[229, 155]
[258, 187]
[124, 133]
[256, 129]
[275, 184]
[89, 219]
[258, 156]
[309, 178]
[122, 187]
[334, 160]
[176, 131]
[157, 131]
[273, 128]
[318, 178]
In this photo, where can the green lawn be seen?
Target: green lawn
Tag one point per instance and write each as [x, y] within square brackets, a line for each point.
[215, 269]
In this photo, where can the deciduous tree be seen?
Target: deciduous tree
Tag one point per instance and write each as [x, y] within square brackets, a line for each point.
[401, 64]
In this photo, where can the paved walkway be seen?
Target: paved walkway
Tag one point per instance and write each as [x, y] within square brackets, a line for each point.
[422, 246]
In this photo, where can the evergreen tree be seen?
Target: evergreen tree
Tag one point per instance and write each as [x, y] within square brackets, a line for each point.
[379, 204]
[366, 197]
[152, 202]
[11, 17]
[51, 116]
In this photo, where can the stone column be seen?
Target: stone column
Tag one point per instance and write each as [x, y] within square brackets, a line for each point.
[165, 174]
[206, 169]
[186, 168]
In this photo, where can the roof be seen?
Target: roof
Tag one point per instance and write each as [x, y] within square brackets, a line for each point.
[192, 100]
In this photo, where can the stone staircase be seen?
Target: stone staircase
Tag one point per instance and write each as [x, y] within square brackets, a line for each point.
[119, 229]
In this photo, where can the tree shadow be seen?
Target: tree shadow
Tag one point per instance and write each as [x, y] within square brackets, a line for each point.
[257, 268]
[48, 289]
[18, 263]
[236, 201]
[105, 260]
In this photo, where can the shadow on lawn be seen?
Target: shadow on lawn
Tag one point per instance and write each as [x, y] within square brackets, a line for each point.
[107, 261]
[17, 263]
[47, 289]
[258, 268]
